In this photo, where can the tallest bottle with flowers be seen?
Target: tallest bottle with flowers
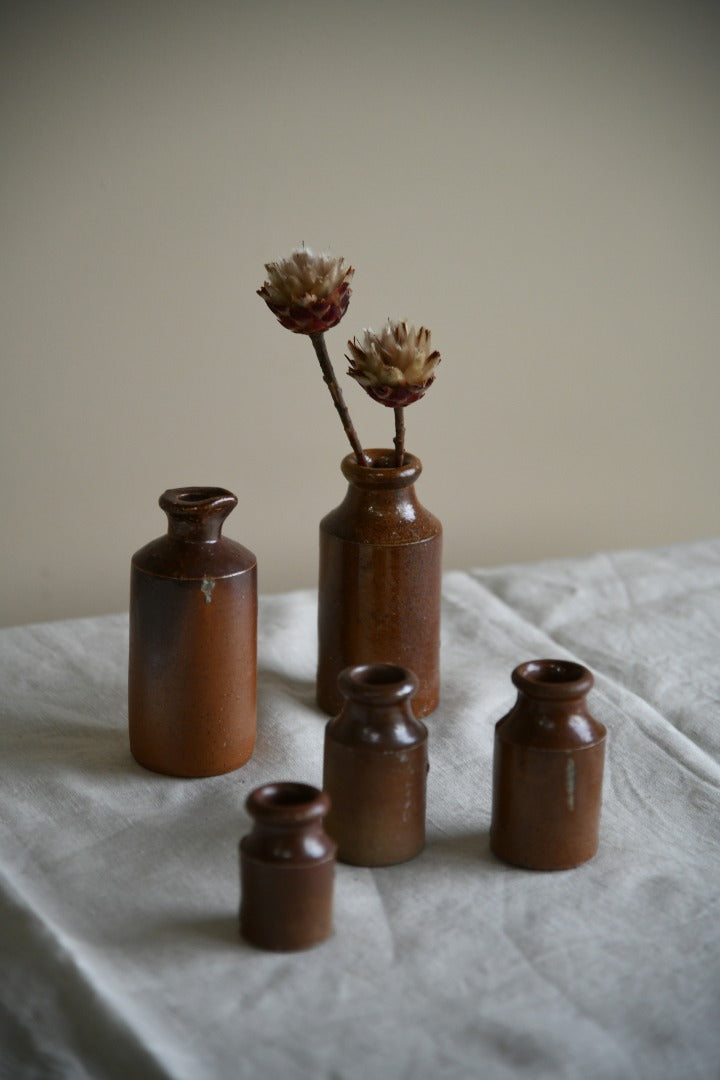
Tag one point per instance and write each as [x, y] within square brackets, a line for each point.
[380, 549]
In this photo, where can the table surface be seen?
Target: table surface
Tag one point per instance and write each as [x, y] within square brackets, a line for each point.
[119, 888]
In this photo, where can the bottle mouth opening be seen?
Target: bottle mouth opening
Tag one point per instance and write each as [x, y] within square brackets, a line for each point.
[198, 496]
[192, 496]
[287, 798]
[289, 794]
[382, 460]
[378, 674]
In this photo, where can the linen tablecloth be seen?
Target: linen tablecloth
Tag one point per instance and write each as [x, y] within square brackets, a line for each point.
[119, 888]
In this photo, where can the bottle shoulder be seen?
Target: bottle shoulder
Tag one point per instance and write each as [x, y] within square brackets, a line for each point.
[381, 520]
[290, 848]
[190, 560]
[547, 726]
[376, 732]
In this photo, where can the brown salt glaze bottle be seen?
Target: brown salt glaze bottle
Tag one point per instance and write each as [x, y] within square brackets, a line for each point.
[375, 767]
[287, 866]
[548, 769]
[193, 641]
[379, 582]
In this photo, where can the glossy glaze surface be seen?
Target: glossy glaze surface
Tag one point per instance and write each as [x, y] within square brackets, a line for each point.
[375, 767]
[192, 672]
[287, 867]
[548, 770]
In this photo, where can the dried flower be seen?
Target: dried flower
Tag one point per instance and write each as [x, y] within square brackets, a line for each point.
[307, 293]
[395, 366]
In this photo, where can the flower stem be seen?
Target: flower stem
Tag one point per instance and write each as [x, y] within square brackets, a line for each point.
[318, 341]
[399, 439]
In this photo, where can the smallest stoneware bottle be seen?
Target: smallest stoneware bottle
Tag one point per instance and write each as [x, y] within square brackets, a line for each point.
[287, 865]
[375, 767]
[547, 770]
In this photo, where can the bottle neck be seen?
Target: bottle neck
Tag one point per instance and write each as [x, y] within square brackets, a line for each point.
[288, 823]
[377, 710]
[197, 514]
[551, 711]
[382, 491]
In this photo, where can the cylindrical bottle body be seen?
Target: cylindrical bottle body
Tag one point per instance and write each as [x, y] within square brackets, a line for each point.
[287, 865]
[375, 768]
[192, 674]
[380, 581]
[548, 770]
[546, 805]
[370, 818]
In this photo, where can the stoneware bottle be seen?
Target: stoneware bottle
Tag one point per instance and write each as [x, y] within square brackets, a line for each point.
[193, 641]
[375, 767]
[379, 581]
[548, 769]
[287, 865]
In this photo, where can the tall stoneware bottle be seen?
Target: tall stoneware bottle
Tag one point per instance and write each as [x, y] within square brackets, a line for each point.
[193, 641]
[548, 770]
[379, 581]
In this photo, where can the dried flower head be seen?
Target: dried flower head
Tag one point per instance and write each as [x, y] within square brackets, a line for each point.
[307, 293]
[395, 366]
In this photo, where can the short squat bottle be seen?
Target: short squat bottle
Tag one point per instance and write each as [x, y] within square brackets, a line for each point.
[193, 641]
[287, 865]
[547, 770]
[375, 767]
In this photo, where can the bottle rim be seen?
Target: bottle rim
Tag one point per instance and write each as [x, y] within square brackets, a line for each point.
[552, 678]
[384, 682]
[287, 802]
[382, 472]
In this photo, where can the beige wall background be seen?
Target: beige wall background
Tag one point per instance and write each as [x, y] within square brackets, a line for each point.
[537, 182]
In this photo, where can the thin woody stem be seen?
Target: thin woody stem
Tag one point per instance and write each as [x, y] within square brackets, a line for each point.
[399, 439]
[318, 341]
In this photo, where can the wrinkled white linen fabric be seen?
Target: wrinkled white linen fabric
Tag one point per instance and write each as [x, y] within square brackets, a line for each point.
[119, 888]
